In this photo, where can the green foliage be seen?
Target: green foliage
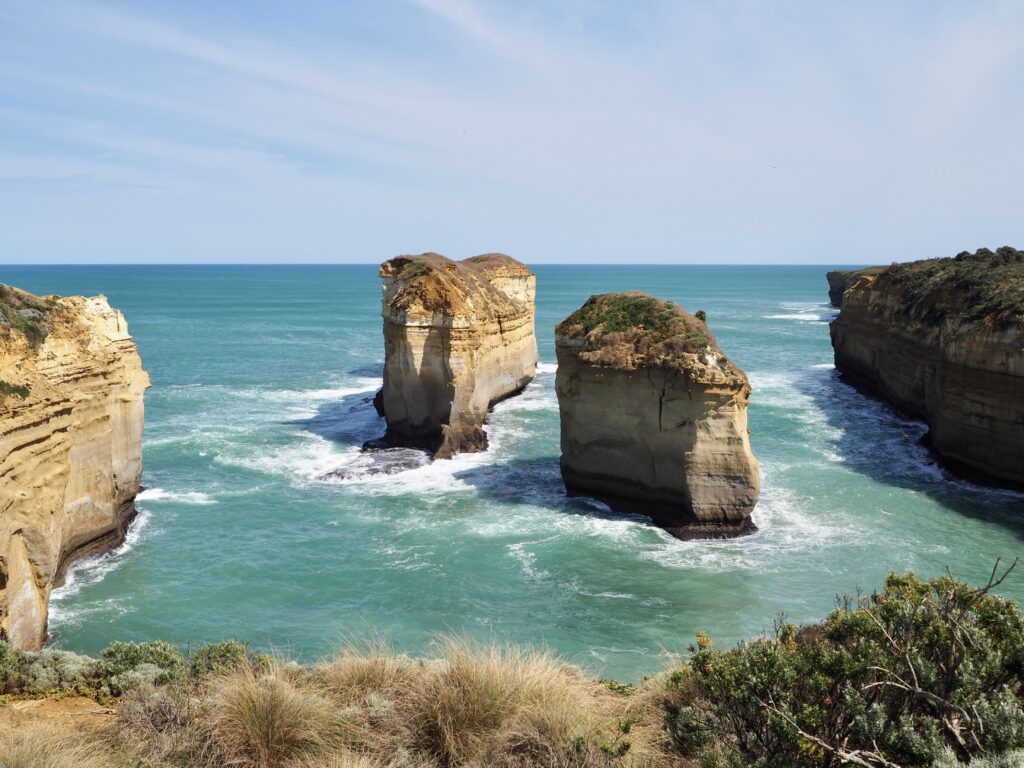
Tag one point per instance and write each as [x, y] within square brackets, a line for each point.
[632, 329]
[49, 672]
[914, 670]
[972, 285]
[617, 312]
[8, 661]
[119, 658]
[701, 315]
[25, 313]
[219, 658]
[18, 390]
[626, 689]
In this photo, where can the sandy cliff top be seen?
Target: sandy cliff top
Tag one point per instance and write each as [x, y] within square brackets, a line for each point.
[633, 330]
[984, 286]
[431, 282]
[29, 323]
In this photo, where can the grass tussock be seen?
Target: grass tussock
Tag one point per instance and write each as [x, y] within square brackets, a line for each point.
[38, 748]
[484, 703]
[266, 718]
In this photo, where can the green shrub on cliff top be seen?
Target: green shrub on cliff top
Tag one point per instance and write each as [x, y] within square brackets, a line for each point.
[631, 329]
[119, 658]
[894, 679]
[972, 285]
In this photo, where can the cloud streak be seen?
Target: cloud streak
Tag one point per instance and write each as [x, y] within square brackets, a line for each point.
[664, 132]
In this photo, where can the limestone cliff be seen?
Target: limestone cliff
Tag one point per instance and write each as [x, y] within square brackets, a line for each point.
[71, 391]
[458, 337]
[654, 417]
[943, 340]
[840, 280]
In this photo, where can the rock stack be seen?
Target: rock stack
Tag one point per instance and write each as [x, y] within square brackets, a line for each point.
[654, 416]
[458, 337]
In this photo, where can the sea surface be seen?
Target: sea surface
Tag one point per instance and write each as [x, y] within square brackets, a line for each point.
[263, 379]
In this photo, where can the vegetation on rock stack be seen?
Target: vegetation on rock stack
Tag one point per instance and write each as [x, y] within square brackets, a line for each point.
[973, 286]
[923, 673]
[634, 330]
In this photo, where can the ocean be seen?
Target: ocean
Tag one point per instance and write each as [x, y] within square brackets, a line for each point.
[262, 381]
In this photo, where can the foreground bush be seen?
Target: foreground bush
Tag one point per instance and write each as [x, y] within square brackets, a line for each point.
[919, 674]
[902, 678]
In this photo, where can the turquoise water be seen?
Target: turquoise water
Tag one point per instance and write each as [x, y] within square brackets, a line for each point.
[262, 379]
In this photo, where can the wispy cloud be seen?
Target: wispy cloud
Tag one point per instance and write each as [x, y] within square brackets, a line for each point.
[655, 131]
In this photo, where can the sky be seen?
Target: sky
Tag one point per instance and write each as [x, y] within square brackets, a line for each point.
[580, 131]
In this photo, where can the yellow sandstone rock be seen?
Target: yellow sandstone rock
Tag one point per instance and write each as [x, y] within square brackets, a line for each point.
[71, 409]
[458, 337]
[654, 417]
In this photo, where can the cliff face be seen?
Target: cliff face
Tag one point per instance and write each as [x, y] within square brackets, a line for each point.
[944, 341]
[840, 280]
[654, 417]
[458, 337]
[71, 392]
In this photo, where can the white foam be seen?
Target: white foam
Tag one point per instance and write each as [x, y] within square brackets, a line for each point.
[92, 570]
[179, 497]
[547, 367]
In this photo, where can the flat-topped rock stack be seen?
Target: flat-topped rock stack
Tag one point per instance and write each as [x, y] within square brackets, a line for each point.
[71, 409]
[458, 337]
[943, 340]
[654, 416]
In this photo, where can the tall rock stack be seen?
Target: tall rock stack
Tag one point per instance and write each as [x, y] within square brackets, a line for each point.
[71, 409]
[458, 337]
[943, 340]
[654, 417]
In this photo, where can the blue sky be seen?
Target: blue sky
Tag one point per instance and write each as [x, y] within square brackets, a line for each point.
[579, 131]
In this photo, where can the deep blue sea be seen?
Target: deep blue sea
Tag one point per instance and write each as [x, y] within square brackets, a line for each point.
[262, 380]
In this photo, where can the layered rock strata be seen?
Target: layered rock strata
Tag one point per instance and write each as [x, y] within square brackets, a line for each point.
[71, 408]
[943, 340]
[840, 280]
[654, 417]
[458, 337]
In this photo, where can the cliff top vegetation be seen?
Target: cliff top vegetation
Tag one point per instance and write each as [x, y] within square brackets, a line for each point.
[634, 330]
[921, 673]
[983, 285]
[853, 274]
[434, 283]
[26, 314]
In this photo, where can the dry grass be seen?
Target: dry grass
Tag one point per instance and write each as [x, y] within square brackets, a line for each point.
[264, 719]
[482, 701]
[38, 748]
[473, 705]
[371, 670]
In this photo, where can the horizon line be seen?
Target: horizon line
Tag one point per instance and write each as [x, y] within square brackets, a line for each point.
[377, 264]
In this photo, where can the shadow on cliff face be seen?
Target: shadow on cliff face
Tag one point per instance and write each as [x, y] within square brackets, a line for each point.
[537, 482]
[876, 440]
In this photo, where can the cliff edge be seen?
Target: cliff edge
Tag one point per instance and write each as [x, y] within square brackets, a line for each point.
[654, 416]
[458, 337]
[840, 280]
[71, 408]
[943, 340]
